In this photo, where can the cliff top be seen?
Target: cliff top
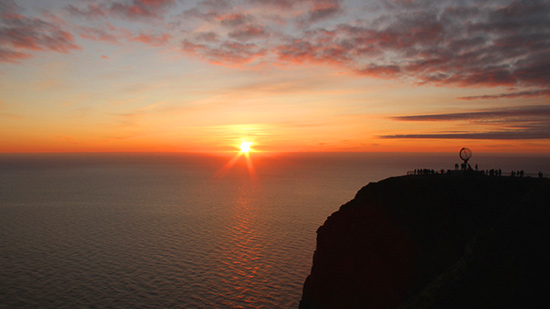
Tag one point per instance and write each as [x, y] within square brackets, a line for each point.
[399, 241]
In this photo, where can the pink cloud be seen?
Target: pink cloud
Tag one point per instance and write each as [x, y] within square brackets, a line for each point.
[299, 51]
[243, 26]
[426, 42]
[36, 34]
[381, 71]
[134, 9]
[249, 32]
[141, 8]
[234, 19]
[323, 9]
[227, 53]
[18, 33]
[98, 34]
[117, 35]
[438, 44]
[151, 39]
[8, 55]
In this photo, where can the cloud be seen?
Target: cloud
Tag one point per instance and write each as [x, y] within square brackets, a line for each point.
[8, 7]
[517, 94]
[226, 53]
[306, 11]
[531, 122]
[209, 36]
[234, 19]
[208, 15]
[141, 8]
[501, 43]
[318, 47]
[92, 11]
[384, 71]
[315, 10]
[133, 10]
[242, 26]
[442, 43]
[237, 23]
[218, 4]
[106, 34]
[491, 135]
[324, 9]
[249, 32]
[151, 39]
[36, 34]
[19, 33]
[117, 35]
[9, 55]
[523, 113]
[281, 4]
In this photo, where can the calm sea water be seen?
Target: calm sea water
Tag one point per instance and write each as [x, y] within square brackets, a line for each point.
[160, 231]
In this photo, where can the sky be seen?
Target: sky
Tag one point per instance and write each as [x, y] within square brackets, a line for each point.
[301, 75]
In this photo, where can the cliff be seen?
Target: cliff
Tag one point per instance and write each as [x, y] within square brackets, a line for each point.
[434, 241]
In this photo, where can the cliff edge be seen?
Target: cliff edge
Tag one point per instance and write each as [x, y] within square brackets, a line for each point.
[435, 241]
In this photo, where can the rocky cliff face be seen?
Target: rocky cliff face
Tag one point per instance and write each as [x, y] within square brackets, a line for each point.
[434, 241]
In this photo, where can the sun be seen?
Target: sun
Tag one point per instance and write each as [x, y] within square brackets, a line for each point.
[244, 153]
[245, 146]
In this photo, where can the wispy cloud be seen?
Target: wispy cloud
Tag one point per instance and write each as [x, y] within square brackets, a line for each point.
[510, 95]
[532, 133]
[531, 122]
[520, 113]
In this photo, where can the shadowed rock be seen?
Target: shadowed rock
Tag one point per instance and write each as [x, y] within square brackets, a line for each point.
[434, 241]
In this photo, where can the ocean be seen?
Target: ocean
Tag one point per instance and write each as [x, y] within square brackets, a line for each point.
[179, 230]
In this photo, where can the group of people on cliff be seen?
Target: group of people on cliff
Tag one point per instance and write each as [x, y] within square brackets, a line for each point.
[491, 172]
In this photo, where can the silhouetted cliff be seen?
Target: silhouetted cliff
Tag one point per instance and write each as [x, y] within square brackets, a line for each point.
[435, 241]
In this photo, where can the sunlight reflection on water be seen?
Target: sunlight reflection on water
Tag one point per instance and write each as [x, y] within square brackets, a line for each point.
[162, 231]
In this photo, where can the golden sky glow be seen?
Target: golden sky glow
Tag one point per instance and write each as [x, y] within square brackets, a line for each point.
[309, 75]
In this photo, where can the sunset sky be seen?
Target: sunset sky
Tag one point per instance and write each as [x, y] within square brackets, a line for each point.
[301, 75]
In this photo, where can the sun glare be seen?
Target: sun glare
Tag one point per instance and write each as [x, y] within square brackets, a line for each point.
[245, 146]
[244, 153]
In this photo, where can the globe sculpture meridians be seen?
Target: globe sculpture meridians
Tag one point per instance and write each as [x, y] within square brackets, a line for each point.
[465, 154]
